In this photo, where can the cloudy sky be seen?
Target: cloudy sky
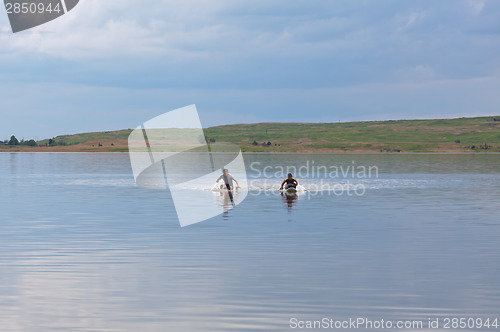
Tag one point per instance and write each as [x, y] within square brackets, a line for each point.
[113, 64]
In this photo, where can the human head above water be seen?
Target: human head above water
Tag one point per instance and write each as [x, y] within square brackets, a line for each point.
[290, 175]
[225, 171]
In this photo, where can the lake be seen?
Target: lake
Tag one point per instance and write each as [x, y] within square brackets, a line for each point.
[85, 249]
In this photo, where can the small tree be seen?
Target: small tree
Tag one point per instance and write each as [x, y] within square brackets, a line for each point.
[13, 140]
[31, 142]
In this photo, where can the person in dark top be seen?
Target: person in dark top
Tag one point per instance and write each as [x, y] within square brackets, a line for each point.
[289, 182]
[228, 180]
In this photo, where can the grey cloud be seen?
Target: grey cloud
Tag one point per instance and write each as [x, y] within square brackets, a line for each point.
[323, 43]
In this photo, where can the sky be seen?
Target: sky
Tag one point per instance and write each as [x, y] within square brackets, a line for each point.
[114, 64]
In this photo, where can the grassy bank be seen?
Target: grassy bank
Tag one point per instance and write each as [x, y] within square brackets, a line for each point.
[447, 135]
[480, 134]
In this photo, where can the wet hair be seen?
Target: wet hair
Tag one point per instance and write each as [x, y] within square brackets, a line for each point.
[290, 174]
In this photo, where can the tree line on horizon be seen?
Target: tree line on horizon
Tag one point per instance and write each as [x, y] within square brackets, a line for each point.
[15, 142]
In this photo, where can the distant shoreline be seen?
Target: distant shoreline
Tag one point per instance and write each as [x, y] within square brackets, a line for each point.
[448, 136]
[290, 153]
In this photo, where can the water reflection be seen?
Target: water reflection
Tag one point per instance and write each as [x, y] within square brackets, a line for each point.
[227, 199]
[290, 199]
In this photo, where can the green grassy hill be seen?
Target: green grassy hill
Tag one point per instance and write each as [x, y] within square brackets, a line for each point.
[481, 134]
[447, 135]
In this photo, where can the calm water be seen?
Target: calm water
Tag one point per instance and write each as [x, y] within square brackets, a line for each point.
[84, 249]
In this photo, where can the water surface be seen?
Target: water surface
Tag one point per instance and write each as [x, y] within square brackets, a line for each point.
[84, 249]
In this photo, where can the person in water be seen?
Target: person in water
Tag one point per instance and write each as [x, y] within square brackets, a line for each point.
[228, 180]
[290, 182]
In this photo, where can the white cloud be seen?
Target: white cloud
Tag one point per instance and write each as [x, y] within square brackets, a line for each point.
[477, 6]
[412, 19]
